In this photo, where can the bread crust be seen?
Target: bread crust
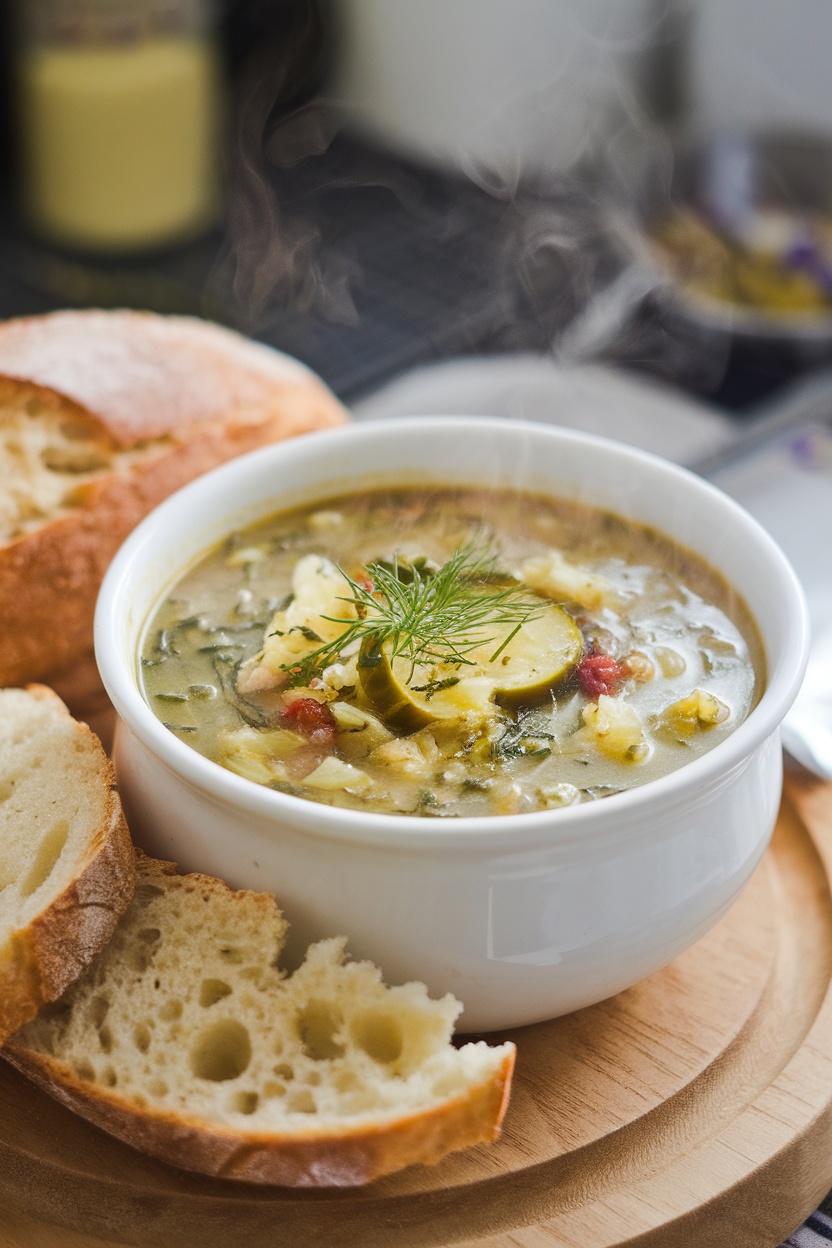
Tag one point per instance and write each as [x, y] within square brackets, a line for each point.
[52, 575]
[205, 394]
[320, 1158]
[317, 1155]
[139, 375]
[41, 960]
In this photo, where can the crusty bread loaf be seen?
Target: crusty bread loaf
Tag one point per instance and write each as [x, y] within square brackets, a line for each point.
[186, 1041]
[102, 415]
[66, 862]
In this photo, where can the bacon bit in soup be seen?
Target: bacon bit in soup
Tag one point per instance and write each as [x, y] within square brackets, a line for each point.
[313, 719]
[599, 673]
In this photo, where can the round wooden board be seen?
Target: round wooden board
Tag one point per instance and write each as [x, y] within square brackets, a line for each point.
[693, 1110]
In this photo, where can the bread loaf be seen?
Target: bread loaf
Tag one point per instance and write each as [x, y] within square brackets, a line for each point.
[186, 1041]
[102, 415]
[66, 862]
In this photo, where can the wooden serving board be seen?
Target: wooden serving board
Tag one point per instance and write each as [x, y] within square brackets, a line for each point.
[693, 1110]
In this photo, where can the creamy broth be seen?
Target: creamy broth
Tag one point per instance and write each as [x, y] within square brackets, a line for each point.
[581, 654]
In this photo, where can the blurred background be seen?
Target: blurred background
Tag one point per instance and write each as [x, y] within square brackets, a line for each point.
[459, 204]
[377, 184]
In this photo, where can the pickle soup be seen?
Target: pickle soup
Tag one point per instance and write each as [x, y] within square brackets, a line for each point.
[451, 653]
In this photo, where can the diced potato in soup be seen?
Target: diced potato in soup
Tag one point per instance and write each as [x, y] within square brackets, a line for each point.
[451, 653]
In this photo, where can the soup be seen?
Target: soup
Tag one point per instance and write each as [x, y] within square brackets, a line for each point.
[451, 653]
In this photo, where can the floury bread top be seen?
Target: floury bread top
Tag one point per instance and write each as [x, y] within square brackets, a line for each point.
[102, 415]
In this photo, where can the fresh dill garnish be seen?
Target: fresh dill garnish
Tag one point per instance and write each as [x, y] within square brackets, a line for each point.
[521, 740]
[435, 686]
[596, 791]
[226, 668]
[473, 784]
[305, 631]
[424, 614]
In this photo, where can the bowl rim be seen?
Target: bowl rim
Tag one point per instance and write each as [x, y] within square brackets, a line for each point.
[681, 787]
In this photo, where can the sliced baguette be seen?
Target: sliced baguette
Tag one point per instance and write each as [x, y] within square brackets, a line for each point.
[103, 415]
[66, 862]
[187, 1042]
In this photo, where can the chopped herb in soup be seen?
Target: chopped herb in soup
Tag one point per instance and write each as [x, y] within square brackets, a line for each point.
[451, 653]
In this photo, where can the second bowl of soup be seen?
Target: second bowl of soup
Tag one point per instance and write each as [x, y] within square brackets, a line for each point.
[497, 701]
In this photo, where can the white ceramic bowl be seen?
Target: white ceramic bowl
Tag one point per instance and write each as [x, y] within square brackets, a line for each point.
[523, 917]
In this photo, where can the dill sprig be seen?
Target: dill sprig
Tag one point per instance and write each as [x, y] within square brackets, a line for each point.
[426, 615]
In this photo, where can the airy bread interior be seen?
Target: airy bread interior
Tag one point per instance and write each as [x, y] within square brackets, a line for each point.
[50, 455]
[186, 1040]
[54, 804]
[102, 416]
[186, 1012]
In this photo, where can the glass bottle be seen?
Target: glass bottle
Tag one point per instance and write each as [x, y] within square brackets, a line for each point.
[119, 107]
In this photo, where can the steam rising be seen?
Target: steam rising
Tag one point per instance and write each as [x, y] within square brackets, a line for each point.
[570, 274]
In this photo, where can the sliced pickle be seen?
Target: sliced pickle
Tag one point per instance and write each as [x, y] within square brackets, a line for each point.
[516, 667]
[538, 658]
[409, 699]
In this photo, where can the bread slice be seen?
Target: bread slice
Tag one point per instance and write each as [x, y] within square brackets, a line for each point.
[80, 687]
[186, 1041]
[102, 415]
[66, 862]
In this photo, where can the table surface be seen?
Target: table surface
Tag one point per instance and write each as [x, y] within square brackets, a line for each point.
[700, 1098]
